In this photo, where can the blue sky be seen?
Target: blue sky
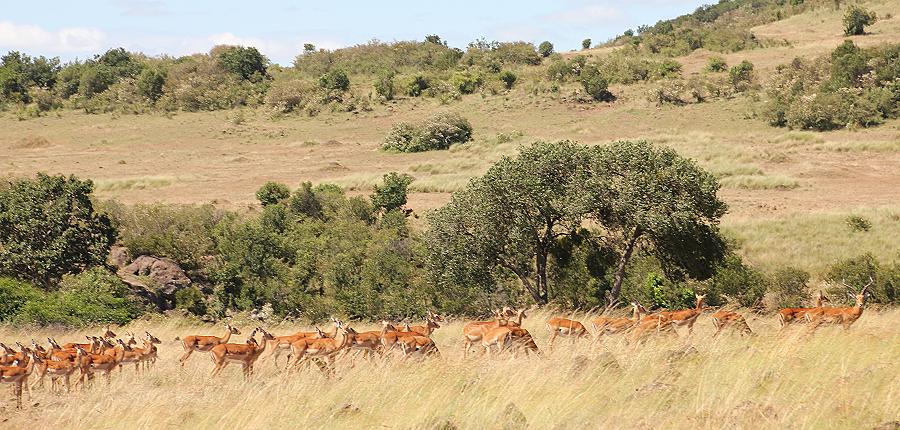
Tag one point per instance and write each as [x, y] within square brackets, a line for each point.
[77, 29]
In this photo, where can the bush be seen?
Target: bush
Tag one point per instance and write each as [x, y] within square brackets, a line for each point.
[335, 80]
[667, 68]
[190, 300]
[858, 223]
[384, 85]
[594, 84]
[545, 49]
[741, 75]
[291, 95]
[248, 63]
[92, 297]
[391, 194]
[668, 92]
[272, 192]
[737, 283]
[856, 272]
[508, 78]
[48, 227]
[466, 82]
[416, 85]
[14, 294]
[716, 64]
[788, 287]
[586, 44]
[438, 132]
[150, 83]
[856, 18]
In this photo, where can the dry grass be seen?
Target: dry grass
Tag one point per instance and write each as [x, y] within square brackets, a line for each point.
[834, 379]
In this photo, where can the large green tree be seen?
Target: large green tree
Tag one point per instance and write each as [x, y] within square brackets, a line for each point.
[48, 227]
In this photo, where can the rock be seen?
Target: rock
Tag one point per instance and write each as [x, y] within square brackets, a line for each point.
[165, 273]
[119, 257]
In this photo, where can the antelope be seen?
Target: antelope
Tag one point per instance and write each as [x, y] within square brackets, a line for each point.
[56, 370]
[499, 335]
[205, 343]
[246, 354]
[18, 376]
[150, 350]
[474, 331]
[108, 334]
[410, 342]
[559, 326]
[791, 315]
[612, 325]
[685, 317]
[57, 353]
[131, 355]
[431, 323]
[723, 319]
[11, 356]
[657, 323]
[845, 316]
[92, 346]
[280, 344]
[103, 363]
[324, 347]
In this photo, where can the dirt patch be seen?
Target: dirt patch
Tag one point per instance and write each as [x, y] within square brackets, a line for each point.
[32, 142]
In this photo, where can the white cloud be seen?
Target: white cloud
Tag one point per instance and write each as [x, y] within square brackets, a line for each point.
[65, 40]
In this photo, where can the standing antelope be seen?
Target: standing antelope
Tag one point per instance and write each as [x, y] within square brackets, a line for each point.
[56, 370]
[723, 319]
[845, 316]
[324, 347]
[104, 363]
[474, 331]
[18, 376]
[151, 352]
[788, 316]
[431, 323]
[205, 343]
[246, 354]
[560, 326]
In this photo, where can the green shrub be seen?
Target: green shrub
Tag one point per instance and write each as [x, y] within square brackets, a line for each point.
[48, 227]
[14, 294]
[391, 194]
[190, 300]
[272, 192]
[667, 68]
[736, 282]
[291, 95]
[305, 202]
[594, 84]
[741, 75]
[856, 18]
[466, 82]
[335, 80]
[248, 63]
[668, 92]
[416, 85]
[857, 271]
[788, 287]
[559, 71]
[384, 85]
[438, 132]
[716, 64]
[150, 83]
[545, 48]
[508, 78]
[586, 44]
[858, 223]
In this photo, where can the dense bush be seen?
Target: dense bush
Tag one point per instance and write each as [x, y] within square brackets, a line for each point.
[586, 44]
[92, 297]
[384, 85]
[248, 63]
[335, 80]
[271, 193]
[466, 82]
[856, 18]
[508, 78]
[438, 132]
[741, 75]
[594, 84]
[788, 287]
[416, 85]
[852, 87]
[716, 64]
[14, 294]
[391, 194]
[48, 228]
[150, 83]
[857, 271]
[545, 49]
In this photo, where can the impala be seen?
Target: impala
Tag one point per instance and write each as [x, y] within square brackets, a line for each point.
[612, 325]
[18, 376]
[130, 355]
[408, 342]
[12, 356]
[787, 316]
[103, 363]
[684, 317]
[499, 335]
[55, 369]
[205, 343]
[431, 323]
[246, 354]
[108, 334]
[151, 352]
[281, 344]
[559, 326]
[724, 319]
[474, 331]
[844, 316]
[325, 347]
[92, 346]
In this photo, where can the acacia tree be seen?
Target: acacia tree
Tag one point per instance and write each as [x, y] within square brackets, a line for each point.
[651, 198]
[48, 227]
[511, 217]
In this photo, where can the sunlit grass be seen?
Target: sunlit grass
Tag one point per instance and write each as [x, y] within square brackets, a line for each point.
[834, 379]
[139, 183]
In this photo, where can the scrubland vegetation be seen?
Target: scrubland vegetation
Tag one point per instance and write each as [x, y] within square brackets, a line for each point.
[387, 180]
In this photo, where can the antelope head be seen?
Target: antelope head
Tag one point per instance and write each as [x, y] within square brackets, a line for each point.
[232, 329]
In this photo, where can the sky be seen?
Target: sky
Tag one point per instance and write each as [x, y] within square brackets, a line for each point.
[78, 29]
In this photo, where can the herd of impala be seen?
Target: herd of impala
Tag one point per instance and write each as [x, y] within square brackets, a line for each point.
[502, 334]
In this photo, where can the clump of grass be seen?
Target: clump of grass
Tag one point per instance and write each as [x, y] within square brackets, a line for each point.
[760, 182]
[140, 183]
[858, 223]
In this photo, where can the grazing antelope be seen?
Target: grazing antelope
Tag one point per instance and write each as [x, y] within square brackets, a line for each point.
[844, 316]
[205, 343]
[559, 326]
[246, 354]
[55, 369]
[723, 319]
[788, 316]
[474, 331]
[324, 347]
[18, 376]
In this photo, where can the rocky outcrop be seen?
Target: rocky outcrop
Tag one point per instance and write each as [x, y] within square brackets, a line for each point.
[155, 279]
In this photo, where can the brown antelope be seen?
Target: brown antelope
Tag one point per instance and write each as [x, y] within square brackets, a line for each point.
[55, 369]
[131, 355]
[431, 323]
[18, 376]
[151, 352]
[406, 341]
[246, 354]
[205, 343]
[281, 344]
[844, 316]
[559, 326]
[57, 353]
[103, 363]
[723, 319]
[92, 346]
[474, 331]
[499, 335]
[327, 348]
[107, 333]
[603, 325]
[685, 317]
[12, 356]
[788, 316]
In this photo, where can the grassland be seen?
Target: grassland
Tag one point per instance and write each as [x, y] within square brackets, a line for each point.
[833, 379]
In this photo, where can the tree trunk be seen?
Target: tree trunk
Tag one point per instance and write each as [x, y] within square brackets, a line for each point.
[542, 276]
[620, 270]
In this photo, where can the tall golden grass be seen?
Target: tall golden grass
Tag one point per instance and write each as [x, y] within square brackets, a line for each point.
[832, 379]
